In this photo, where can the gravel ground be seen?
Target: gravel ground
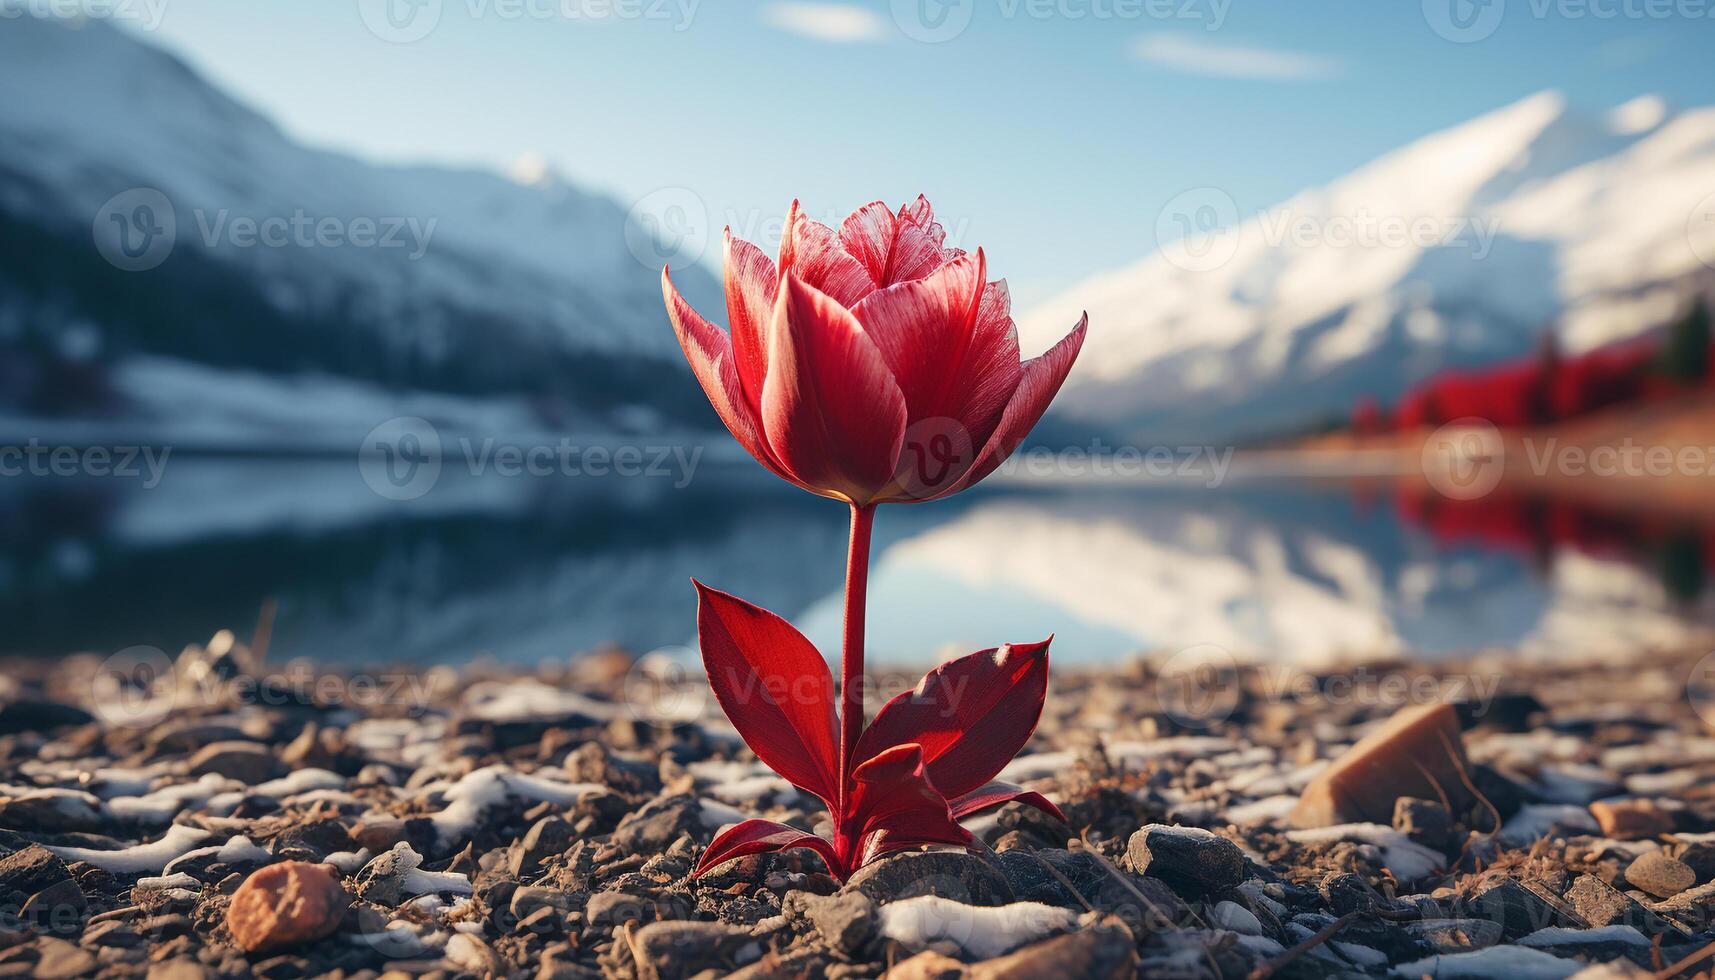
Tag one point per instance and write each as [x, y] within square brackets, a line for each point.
[205, 817]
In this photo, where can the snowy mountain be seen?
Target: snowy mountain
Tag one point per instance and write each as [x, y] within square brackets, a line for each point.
[278, 258]
[1461, 248]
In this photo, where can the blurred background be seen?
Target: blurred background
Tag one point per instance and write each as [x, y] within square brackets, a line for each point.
[350, 309]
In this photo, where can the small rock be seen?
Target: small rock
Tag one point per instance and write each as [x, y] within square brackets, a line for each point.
[1234, 917]
[112, 933]
[1700, 858]
[927, 965]
[61, 960]
[676, 950]
[956, 875]
[1519, 910]
[286, 904]
[654, 828]
[181, 968]
[617, 908]
[1600, 904]
[1660, 875]
[545, 838]
[1455, 935]
[32, 869]
[246, 762]
[1103, 952]
[1631, 819]
[1194, 861]
[1418, 750]
[845, 921]
[527, 900]
[1425, 821]
[57, 908]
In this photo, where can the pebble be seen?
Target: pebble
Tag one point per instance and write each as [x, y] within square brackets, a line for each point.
[676, 950]
[1631, 819]
[1103, 952]
[1660, 875]
[956, 875]
[1194, 862]
[1418, 752]
[246, 762]
[845, 921]
[285, 905]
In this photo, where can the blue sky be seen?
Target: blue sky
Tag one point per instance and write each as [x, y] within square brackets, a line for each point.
[1049, 131]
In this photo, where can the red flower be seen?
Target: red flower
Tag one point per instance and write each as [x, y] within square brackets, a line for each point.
[874, 364]
[928, 759]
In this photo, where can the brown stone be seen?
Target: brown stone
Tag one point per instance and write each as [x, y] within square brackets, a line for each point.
[1104, 951]
[927, 965]
[1417, 753]
[286, 904]
[1631, 819]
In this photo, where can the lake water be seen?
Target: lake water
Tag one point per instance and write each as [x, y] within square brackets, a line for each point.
[524, 569]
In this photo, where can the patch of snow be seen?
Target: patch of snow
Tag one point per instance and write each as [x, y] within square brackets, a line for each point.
[139, 858]
[929, 921]
[1537, 820]
[1493, 963]
[1406, 858]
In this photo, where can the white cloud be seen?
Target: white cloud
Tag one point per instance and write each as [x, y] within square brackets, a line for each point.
[838, 23]
[1196, 56]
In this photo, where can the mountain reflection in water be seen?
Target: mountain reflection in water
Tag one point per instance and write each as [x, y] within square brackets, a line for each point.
[524, 569]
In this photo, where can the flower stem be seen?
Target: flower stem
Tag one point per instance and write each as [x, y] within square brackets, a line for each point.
[851, 651]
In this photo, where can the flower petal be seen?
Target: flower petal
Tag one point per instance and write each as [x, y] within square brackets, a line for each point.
[750, 287]
[762, 837]
[996, 793]
[1038, 384]
[832, 413]
[952, 348]
[811, 251]
[970, 715]
[920, 244]
[774, 685]
[709, 351]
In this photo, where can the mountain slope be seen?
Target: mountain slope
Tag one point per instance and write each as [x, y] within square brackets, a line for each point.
[430, 278]
[1461, 248]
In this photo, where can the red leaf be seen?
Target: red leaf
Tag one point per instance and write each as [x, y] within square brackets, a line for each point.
[996, 793]
[762, 837]
[971, 715]
[893, 797]
[775, 687]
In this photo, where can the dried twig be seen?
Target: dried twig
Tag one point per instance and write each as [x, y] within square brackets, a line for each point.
[1687, 963]
[1327, 932]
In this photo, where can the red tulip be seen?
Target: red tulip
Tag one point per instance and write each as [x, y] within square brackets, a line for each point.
[874, 364]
